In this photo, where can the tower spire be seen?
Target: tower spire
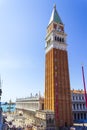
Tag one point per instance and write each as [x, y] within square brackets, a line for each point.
[54, 6]
[55, 16]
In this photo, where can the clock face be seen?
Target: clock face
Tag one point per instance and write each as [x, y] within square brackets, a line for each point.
[59, 29]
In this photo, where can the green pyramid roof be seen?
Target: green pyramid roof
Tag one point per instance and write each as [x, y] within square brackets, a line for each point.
[55, 16]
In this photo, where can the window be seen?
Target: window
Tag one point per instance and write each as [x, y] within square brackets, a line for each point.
[79, 97]
[60, 39]
[55, 26]
[77, 106]
[80, 106]
[82, 97]
[55, 38]
[74, 116]
[81, 116]
[74, 106]
[73, 98]
[83, 106]
[78, 116]
[84, 115]
[49, 120]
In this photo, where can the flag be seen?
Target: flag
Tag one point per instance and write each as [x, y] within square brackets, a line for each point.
[84, 85]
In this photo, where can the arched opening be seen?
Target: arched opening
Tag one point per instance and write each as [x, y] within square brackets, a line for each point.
[57, 38]
[84, 115]
[81, 115]
[74, 116]
[78, 116]
[60, 39]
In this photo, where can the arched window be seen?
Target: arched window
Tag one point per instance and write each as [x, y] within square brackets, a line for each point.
[80, 106]
[79, 97]
[55, 26]
[83, 106]
[73, 98]
[74, 106]
[78, 116]
[77, 106]
[81, 115]
[60, 39]
[82, 97]
[84, 115]
[74, 116]
[55, 38]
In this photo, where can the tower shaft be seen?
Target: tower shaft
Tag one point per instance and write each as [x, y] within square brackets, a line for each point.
[57, 86]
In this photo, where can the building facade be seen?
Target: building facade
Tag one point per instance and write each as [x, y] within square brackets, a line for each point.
[57, 83]
[45, 120]
[79, 109]
[31, 103]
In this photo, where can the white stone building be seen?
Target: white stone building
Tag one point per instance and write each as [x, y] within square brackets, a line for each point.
[79, 109]
[31, 103]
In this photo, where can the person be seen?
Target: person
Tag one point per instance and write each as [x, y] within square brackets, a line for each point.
[83, 128]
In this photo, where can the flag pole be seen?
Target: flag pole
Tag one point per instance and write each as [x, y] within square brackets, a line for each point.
[84, 85]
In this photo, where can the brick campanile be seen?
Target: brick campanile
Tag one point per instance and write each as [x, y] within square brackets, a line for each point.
[57, 83]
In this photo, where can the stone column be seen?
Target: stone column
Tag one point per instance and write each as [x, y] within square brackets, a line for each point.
[75, 106]
[79, 106]
[76, 116]
[83, 115]
[79, 115]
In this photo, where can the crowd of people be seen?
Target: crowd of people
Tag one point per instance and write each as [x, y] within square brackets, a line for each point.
[12, 127]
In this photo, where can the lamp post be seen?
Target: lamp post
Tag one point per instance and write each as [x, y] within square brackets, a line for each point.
[0, 104]
[0, 107]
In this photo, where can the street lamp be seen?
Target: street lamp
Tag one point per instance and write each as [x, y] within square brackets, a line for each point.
[0, 106]
[0, 96]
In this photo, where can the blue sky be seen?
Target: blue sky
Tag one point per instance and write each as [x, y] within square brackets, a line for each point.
[22, 41]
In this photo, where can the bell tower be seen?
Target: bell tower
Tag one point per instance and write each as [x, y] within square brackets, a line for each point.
[57, 83]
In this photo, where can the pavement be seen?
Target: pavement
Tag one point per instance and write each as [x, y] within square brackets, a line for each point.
[16, 120]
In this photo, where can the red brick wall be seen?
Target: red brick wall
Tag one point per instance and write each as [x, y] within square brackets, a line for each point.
[57, 86]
